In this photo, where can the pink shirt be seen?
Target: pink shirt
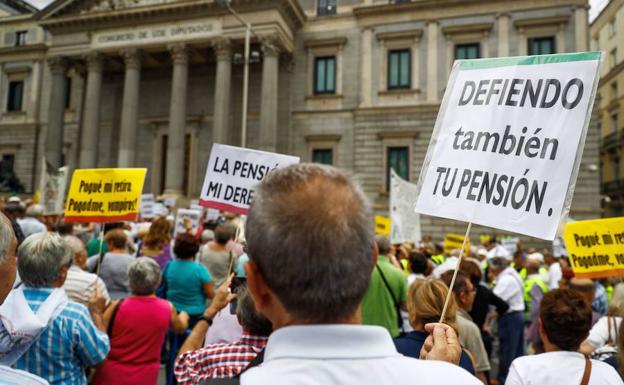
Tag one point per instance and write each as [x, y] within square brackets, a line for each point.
[137, 337]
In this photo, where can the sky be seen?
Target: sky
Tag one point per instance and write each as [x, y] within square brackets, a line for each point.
[595, 6]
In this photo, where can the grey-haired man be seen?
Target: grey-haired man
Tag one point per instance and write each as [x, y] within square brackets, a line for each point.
[311, 284]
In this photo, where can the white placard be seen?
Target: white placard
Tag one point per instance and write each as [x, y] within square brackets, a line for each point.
[232, 174]
[212, 215]
[146, 207]
[511, 244]
[53, 185]
[508, 141]
[194, 217]
[405, 222]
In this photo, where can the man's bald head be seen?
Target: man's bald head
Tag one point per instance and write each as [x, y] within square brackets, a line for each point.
[310, 233]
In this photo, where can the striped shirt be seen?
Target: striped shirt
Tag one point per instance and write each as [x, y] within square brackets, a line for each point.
[80, 285]
[70, 343]
[218, 360]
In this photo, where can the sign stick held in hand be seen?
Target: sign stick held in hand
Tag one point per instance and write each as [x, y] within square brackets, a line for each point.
[450, 292]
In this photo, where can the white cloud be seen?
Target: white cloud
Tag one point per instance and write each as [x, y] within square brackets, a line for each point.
[595, 6]
[40, 4]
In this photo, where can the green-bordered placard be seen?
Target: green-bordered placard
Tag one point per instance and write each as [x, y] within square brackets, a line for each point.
[473, 64]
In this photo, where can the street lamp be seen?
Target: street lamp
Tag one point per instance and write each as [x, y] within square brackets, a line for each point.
[248, 32]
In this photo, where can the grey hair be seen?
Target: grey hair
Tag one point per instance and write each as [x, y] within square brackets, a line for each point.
[144, 276]
[41, 257]
[75, 243]
[253, 322]
[6, 234]
[383, 244]
[34, 210]
[322, 267]
[498, 263]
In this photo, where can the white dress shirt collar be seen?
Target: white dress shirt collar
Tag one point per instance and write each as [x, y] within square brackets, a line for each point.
[346, 341]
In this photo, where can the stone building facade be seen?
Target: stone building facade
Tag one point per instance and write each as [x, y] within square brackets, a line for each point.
[354, 83]
[607, 35]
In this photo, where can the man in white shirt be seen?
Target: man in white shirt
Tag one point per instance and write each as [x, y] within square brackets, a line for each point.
[312, 284]
[565, 319]
[8, 271]
[80, 284]
[554, 270]
[509, 287]
[31, 223]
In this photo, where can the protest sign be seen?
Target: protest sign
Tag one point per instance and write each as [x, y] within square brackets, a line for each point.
[454, 242]
[104, 195]
[508, 141]
[405, 222]
[53, 185]
[147, 206]
[510, 244]
[382, 225]
[233, 173]
[212, 215]
[160, 209]
[193, 217]
[596, 248]
[170, 201]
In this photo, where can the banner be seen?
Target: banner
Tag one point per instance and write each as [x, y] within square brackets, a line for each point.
[454, 242]
[382, 225]
[596, 248]
[53, 185]
[147, 206]
[232, 174]
[104, 195]
[192, 216]
[508, 141]
[405, 222]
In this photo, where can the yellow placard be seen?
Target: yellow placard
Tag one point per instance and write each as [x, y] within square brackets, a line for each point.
[104, 195]
[382, 225]
[596, 247]
[455, 241]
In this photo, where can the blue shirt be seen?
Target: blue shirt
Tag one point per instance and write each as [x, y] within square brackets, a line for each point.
[185, 285]
[70, 343]
[411, 344]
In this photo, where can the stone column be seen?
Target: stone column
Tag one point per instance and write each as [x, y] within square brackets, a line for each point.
[268, 104]
[91, 123]
[130, 109]
[432, 61]
[580, 29]
[174, 182]
[503, 35]
[56, 112]
[223, 83]
[366, 82]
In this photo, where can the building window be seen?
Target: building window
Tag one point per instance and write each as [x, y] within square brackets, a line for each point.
[397, 160]
[399, 1]
[612, 27]
[613, 58]
[614, 122]
[467, 51]
[614, 90]
[399, 65]
[16, 91]
[68, 84]
[6, 164]
[541, 45]
[20, 38]
[326, 7]
[325, 75]
[323, 156]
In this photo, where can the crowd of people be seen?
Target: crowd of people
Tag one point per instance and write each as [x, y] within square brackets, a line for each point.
[302, 293]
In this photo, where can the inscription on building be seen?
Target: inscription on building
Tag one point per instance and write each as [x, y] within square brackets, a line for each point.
[157, 34]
